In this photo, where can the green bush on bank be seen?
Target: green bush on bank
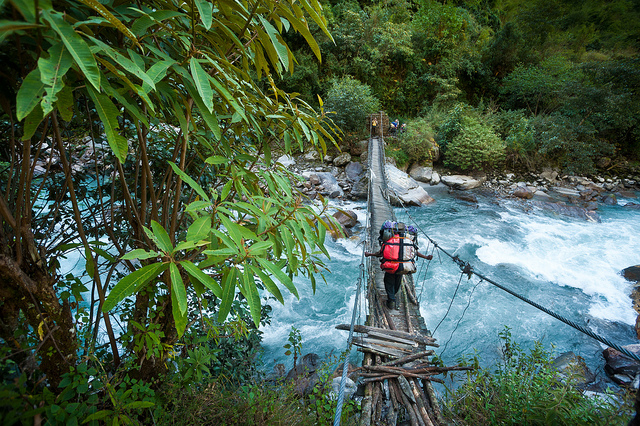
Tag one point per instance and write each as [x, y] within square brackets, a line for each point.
[524, 389]
[351, 102]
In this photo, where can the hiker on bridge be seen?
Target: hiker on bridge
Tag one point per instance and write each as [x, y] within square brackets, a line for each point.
[398, 250]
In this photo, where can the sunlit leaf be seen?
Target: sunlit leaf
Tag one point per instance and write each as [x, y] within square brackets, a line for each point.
[132, 283]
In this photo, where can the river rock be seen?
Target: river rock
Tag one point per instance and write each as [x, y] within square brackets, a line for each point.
[620, 367]
[286, 160]
[349, 388]
[404, 190]
[523, 192]
[304, 375]
[549, 175]
[347, 218]
[360, 188]
[435, 178]
[464, 196]
[421, 173]
[462, 182]
[632, 273]
[312, 156]
[573, 367]
[329, 185]
[609, 199]
[358, 148]
[342, 159]
[568, 210]
[353, 171]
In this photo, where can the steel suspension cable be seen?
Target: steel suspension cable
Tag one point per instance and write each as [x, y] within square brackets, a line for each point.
[467, 269]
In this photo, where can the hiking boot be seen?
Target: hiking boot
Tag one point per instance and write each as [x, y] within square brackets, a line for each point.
[391, 304]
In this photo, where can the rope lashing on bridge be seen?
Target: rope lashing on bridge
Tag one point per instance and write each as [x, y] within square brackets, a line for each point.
[468, 270]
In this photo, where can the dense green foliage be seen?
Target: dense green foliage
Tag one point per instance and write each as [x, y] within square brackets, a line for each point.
[560, 63]
[525, 389]
[350, 101]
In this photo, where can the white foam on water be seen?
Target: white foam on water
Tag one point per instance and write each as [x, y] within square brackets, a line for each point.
[583, 255]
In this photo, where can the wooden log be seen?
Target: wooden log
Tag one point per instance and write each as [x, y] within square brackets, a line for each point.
[397, 333]
[430, 393]
[406, 309]
[387, 336]
[421, 403]
[410, 358]
[406, 388]
[385, 343]
[377, 350]
[409, 409]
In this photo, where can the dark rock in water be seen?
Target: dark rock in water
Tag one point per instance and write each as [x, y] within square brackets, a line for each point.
[464, 196]
[572, 366]
[304, 374]
[632, 206]
[569, 210]
[353, 171]
[620, 367]
[632, 273]
[347, 218]
[360, 188]
[523, 192]
[610, 199]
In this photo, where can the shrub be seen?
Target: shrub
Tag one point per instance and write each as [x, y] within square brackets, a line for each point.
[416, 144]
[351, 102]
[476, 146]
[524, 389]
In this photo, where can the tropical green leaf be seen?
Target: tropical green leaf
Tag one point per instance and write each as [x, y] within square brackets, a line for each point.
[161, 237]
[216, 159]
[141, 254]
[90, 264]
[228, 294]
[131, 283]
[267, 281]
[202, 277]
[251, 294]
[179, 317]
[281, 49]
[75, 45]
[199, 229]
[178, 288]
[52, 69]
[201, 80]
[108, 114]
[30, 94]
[281, 276]
[192, 183]
[259, 248]
[65, 103]
[206, 13]
[98, 7]
[209, 118]
[31, 122]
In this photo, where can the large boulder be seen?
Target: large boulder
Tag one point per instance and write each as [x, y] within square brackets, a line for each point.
[421, 173]
[327, 183]
[346, 218]
[353, 171]
[286, 160]
[342, 159]
[404, 190]
[523, 192]
[462, 182]
[632, 273]
[568, 210]
[304, 375]
[360, 188]
[621, 368]
[574, 368]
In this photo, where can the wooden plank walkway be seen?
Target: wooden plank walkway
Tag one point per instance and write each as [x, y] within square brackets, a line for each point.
[396, 366]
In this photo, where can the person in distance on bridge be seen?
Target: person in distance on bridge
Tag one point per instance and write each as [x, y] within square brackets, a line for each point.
[398, 250]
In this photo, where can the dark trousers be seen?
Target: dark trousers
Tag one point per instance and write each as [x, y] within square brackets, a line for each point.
[392, 283]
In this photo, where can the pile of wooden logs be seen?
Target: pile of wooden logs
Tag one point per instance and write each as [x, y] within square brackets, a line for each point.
[401, 387]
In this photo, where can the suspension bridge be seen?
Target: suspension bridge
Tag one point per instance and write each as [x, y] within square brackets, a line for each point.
[397, 368]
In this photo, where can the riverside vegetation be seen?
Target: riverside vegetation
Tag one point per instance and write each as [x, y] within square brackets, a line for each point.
[139, 142]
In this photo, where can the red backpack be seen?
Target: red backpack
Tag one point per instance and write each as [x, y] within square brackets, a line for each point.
[399, 251]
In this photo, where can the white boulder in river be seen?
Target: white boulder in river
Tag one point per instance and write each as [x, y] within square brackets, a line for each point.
[462, 182]
[404, 190]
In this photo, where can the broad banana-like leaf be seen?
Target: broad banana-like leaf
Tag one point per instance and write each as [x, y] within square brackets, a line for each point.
[109, 116]
[75, 45]
[65, 103]
[29, 94]
[31, 122]
[52, 70]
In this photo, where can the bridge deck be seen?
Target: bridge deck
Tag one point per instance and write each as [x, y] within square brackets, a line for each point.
[393, 392]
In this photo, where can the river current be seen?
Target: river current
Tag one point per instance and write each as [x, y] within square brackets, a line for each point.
[570, 266]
